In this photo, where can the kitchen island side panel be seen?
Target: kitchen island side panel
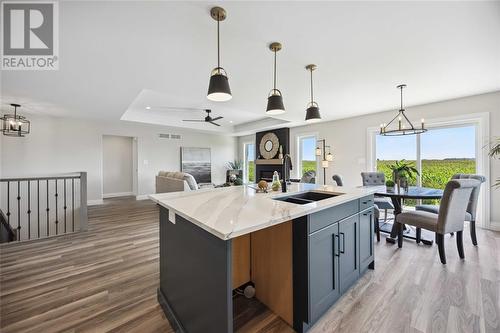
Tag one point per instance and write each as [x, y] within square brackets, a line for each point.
[195, 277]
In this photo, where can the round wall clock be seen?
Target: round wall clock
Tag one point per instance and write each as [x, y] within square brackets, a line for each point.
[269, 145]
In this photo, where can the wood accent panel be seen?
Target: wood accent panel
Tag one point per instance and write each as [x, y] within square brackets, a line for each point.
[241, 260]
[272, 269]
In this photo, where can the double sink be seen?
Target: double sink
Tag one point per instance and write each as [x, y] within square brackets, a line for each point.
[307, 197]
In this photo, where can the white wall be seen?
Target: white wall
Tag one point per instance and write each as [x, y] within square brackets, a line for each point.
[61, 145]
[349, 137]
[117, 165]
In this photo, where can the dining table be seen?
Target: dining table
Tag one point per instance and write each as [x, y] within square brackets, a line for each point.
[397, 196]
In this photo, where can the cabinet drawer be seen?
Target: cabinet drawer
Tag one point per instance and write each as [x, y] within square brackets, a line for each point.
[366, 202]
[328, 216]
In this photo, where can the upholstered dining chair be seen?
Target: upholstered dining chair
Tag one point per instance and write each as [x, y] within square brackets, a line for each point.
[449, 219]
[377, 179]
[471, 212]
[308, 177]
[338, 180]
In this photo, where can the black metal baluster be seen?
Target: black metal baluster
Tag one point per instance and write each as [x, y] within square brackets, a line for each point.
[8, 203]
[18, 211]
[38, 204]
[57, 222]
[47, 209]
[73, 203]
[29, 209]
[65, 207]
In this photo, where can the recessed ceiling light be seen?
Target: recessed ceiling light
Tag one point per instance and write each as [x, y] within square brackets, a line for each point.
[230, 121]
[148, 108]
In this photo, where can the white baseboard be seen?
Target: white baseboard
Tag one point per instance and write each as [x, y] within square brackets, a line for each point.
[494, 225]
[94, 202]
[118, 194]
[141, 197]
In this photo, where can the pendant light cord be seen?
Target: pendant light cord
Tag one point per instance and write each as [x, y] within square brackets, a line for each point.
[401, 108]
[274, 69]
[218, 41]
[312, 99]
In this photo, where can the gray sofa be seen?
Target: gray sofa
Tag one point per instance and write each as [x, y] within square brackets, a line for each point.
[175, 181]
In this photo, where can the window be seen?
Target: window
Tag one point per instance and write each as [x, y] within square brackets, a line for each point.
[394, 148]
[437, 154]
[445, 152]
[306, 155]
[249, 163]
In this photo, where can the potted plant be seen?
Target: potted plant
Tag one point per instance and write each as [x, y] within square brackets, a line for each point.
[494, 153]
[389, 186]
[234, 171]
[402, 171]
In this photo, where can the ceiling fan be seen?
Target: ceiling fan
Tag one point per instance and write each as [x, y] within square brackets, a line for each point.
[207, 119]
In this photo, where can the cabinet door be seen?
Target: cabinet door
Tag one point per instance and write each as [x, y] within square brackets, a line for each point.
[323, 270]
[366, 226]
[349, 255]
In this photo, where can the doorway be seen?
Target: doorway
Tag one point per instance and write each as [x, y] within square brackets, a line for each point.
[118, 166]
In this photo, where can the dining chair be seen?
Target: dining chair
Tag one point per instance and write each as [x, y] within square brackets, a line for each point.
[471, 212]
[338, 180]
[449, 219]
[377, 179]
[308, 177]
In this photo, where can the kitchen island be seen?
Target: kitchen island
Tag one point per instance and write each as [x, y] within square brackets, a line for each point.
[301, 250]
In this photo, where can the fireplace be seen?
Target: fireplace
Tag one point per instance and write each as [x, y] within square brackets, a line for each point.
[267, 173]
[264, 168]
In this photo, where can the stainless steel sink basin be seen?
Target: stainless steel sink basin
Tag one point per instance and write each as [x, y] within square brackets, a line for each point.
[307, 197]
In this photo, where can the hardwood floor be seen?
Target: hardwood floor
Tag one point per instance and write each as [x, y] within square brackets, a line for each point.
[105, 280]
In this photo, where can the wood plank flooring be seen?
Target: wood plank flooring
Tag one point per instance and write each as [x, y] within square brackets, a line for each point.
[105, 280]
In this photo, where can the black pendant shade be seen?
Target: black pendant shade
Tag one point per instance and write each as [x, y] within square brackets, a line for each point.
[312, 111]
[218, 89]
[275, 103]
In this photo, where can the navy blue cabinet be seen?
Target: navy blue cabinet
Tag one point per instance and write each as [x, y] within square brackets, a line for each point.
[324, 251]
[349, 256]
[366, 230]
[339, 244]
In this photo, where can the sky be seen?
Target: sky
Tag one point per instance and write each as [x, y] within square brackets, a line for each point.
[458, 142]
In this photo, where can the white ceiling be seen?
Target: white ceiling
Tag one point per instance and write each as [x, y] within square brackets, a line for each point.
[118, 57]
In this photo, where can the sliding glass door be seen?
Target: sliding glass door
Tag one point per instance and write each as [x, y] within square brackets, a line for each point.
[437, 154]
[395, 148]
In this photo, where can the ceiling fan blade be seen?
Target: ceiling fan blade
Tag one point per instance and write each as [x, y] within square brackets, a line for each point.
[194, 120]
[217, 118]
[211, 122]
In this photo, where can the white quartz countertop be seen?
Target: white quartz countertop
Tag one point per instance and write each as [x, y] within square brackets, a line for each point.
[229, 212]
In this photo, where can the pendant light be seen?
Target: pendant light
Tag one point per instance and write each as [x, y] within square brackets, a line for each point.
[312, 112]
[218, 89]
[14, 124]
[275, 99]
[403, 125]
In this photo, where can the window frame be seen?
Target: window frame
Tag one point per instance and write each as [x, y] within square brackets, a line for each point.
[300, 137]
[245, 161]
